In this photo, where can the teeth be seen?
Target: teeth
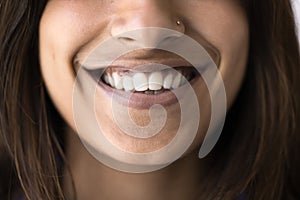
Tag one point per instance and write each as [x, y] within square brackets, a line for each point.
[127, 83]
[118, 81]
[149, 92]
[153, 91]
[149, 83]
[105, 77]
[183, 80]
[168, 81]
[111, 80]
[155, 81]
[176, 81]
[140, 82]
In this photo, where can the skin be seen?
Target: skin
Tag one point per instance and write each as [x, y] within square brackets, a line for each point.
[70, 29]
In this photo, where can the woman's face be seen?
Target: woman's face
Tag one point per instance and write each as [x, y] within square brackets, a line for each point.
[71, 30]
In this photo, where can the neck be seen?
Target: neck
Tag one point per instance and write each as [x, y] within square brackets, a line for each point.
[93, 180]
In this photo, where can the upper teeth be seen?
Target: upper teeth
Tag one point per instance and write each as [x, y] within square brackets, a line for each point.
[158, 80]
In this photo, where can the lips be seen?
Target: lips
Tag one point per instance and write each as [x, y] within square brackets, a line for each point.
[154, 82]
[141, 90]
[141, 79]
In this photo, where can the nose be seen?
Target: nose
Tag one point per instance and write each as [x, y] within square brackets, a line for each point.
[144, 14]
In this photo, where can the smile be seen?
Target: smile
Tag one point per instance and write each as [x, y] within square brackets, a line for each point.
[142, 79]
[150, 83]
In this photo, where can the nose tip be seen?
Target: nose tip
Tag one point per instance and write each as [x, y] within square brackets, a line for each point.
[142, 20]
[150, 37]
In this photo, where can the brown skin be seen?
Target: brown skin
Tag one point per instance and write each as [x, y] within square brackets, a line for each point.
[84, 24]
[94, 180]
[259, 148]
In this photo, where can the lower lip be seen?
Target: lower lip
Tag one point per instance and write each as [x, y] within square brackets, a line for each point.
[145, 101]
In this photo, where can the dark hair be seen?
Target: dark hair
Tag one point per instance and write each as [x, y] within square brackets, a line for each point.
[257, 152]
[28, 119]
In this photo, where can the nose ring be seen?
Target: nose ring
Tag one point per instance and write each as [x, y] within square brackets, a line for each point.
[178, 22]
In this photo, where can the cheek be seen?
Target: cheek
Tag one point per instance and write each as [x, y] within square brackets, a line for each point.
[62, 32]
[225, 25]
[67, 29]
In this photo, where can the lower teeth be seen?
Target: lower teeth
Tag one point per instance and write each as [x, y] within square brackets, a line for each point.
[153, 92]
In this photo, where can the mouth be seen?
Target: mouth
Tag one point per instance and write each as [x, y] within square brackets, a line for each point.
[141, 79]
[142, 87]
[155, 82]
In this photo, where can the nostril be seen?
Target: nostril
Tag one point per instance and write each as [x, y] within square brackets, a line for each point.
[126, 39]
[150, 37]
[128, 42]
[171, 38]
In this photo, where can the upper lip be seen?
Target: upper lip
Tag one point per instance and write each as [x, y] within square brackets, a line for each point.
[144, 60]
